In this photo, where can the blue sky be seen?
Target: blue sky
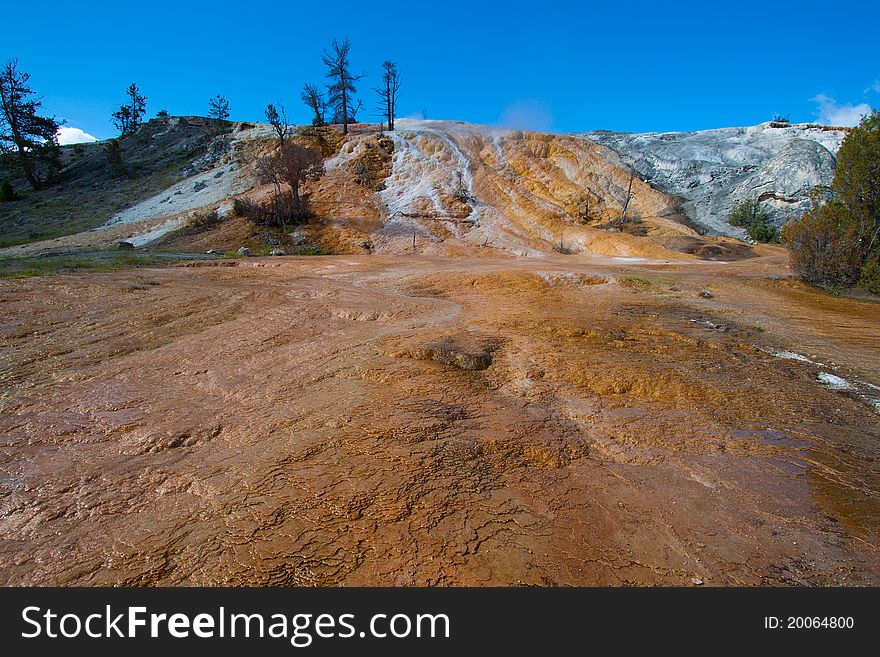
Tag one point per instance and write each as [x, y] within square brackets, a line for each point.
[561, 66]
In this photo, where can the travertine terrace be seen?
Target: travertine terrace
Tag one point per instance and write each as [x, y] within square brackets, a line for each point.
[415, 420]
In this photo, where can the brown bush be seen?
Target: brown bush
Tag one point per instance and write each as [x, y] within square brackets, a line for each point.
[245, 207]
[826, 245]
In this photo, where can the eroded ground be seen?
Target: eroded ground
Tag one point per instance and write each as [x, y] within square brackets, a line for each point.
[434, 421]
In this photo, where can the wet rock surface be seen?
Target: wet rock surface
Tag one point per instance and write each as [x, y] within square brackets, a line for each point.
[257, 425]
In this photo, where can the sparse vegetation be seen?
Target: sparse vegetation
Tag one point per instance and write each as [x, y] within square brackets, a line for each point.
[107, 260]
[93, 189]
[290, 165]
[747, 212]
[114, 157]
[763, 231]
[780, 121]
[635, 282]
[252, 211]
[277, 118]
[461, 192]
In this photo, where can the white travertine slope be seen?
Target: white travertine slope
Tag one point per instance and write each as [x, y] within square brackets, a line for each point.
[714, 169]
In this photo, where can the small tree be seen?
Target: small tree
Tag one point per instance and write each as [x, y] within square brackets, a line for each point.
[763, 231]
[277, 118]
[341, 89]
[218, 108]
[857, 178]
[129, 116]
[31, 139]
[837, 242]
[290, 165]
[7, 193]
[746, 213]
[389, 92]
[113, 151]
[752, 216]
[315, 101]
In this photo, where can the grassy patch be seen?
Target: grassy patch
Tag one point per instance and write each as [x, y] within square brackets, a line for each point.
[635, 282]
[310, 251]
[64, 264]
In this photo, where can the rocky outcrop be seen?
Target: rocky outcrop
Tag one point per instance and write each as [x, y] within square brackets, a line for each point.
[712, 170]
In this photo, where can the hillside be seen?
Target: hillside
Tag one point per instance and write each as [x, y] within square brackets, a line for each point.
[711, 170]
[91, 191]
[432, 187]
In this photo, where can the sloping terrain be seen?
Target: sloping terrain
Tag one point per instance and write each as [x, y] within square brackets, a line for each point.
[777, 164]
[91, 190]
[433, 187]
[421, 420]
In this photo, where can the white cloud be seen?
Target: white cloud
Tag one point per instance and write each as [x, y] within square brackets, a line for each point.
[527, 114]
[874, 87]
[830, 112]
[68, 135]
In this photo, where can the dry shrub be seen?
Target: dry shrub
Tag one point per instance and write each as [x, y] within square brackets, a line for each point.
[253, 211]
[825, 245]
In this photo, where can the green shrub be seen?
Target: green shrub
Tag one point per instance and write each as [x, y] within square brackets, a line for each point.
[113, 151]
[869, 277]
[7, 193]
[746, 213]
[763, 232]
[752, 216]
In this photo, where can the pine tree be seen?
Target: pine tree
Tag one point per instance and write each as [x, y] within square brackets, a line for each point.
[341, 89]
[32, 139]
[277, 118]
[129, 116]
[218, 108]
[315, 101]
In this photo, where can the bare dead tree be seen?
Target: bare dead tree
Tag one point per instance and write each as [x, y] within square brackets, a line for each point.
[315, 101]
[389, 91]
[461, 191]
[585, 215]
[628, 197]
[290, 165]
[299, 164]
[341, 89]
[277, 118]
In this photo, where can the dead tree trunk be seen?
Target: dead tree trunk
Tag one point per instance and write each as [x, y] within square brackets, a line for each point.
[628, 197]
